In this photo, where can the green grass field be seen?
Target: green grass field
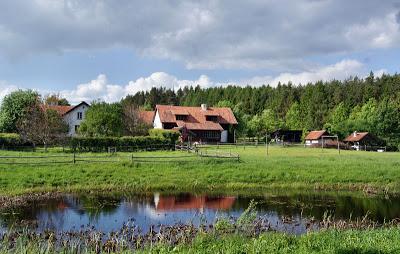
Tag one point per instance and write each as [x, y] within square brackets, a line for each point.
[351, 241]
[293, 168]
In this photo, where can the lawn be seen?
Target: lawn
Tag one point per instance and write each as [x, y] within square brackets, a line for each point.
[293, 168]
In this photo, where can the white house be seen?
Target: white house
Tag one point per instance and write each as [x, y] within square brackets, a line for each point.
[72, 115]
[204, 124]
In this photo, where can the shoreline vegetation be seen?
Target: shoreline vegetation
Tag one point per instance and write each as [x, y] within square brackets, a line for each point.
[329, 241]
[248, 233]
[286, 169]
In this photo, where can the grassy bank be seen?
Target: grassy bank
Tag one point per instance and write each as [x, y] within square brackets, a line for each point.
[331, 241]
[284, 168]
[351, 241]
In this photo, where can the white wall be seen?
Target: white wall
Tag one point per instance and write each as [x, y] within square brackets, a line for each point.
[71, 118]
[157, 124]
[224, 136]
[313, 142]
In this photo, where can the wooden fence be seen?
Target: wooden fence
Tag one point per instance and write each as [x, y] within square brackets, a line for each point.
[205, 152]
[74, 158]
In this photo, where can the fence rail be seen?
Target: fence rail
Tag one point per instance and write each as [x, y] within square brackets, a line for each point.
[74, 158]
[204, 152]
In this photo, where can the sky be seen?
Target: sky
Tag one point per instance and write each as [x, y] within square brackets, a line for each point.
[104, 50]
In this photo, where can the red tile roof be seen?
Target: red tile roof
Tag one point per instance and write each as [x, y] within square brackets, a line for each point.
[147, 116]
[315, 135]
[180, 112]
[357, 137]
[60, 109]
[200, 126]
[196, 117]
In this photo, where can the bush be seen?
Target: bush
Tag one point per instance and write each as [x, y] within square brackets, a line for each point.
[10, 139]
[121, 143]
[167, 134]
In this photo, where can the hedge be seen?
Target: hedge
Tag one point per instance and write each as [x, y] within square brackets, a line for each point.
[168, 134]
[10, 139]
[96, 144]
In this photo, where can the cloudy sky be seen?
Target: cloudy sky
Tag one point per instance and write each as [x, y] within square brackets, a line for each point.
[104, 49]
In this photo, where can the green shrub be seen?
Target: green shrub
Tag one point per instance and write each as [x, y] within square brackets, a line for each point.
[10, 139]
[121, 143]
[167, 134]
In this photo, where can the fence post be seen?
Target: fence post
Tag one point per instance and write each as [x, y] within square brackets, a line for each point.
[74, 157]
[132, 157]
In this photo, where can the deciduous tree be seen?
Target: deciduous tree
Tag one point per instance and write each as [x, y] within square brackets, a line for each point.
[14, 107]
[41, 125]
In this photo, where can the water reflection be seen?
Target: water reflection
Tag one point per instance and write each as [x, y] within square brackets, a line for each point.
[187, 201]
[110, 212]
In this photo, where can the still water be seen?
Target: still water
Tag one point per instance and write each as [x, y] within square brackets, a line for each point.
[288, 213]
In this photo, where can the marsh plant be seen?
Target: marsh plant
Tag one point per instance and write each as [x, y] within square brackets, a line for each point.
[131, 238]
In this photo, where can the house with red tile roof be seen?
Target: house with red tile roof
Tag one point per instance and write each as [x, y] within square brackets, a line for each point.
[314, 138]
[202, 124]
[72, 115]
[362, 140]
[147, 117]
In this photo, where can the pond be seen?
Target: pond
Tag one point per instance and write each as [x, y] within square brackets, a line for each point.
[290, 213]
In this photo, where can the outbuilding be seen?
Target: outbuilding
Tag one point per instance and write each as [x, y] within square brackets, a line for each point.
[363, 141]
[315, 138]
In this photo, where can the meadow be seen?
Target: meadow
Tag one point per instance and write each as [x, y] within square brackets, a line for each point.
[284, 168]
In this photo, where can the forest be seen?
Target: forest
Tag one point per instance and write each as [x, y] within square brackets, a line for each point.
[356, 104]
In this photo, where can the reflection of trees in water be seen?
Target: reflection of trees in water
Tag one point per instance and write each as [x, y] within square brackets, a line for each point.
[341, 207]
[52, 212]
[29, 215]
[96, 205]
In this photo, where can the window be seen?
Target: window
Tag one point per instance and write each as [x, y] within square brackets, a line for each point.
[181, 117]
[79, 116]
[212, 118]
[210, 134]
[76, 128]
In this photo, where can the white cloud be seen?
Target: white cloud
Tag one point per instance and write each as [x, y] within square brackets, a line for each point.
[162, 79]
[6, 88]
[101, 89]
[97, 89]
[379, 32]
[339, 71]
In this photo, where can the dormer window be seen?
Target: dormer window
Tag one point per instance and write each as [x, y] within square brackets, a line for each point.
[181, 117]
[212, 118]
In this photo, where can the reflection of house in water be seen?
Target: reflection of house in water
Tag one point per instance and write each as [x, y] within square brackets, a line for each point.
[187, 201]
